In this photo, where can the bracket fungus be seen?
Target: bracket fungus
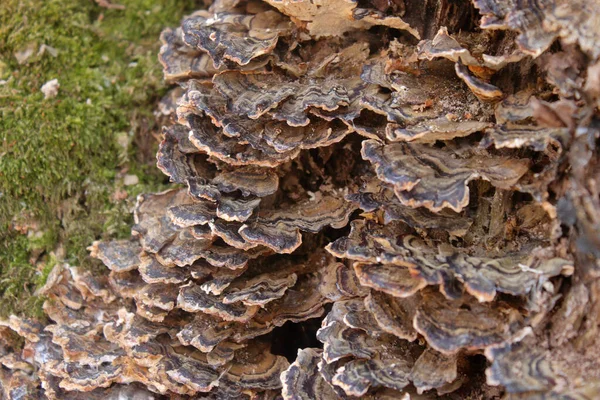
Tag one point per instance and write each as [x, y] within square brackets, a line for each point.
[374, 199]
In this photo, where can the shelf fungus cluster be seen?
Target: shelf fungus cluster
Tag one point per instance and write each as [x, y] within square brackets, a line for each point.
[370, 199]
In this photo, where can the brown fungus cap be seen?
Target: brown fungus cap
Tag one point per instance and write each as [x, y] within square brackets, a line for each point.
[302, 380]
[393, 315]
[374, 195]
[471, 153]
[425, 263]
[410, 168]
[422, 107]
[119, 256]
[448, 328]
[280, 230]
[181, 62]
[433, 370]
[235, 37]
[573, 22]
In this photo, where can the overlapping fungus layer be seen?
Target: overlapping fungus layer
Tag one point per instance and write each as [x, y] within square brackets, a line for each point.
[420, 179]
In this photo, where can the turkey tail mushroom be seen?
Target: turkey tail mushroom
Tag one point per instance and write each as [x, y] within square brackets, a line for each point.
[376, 199]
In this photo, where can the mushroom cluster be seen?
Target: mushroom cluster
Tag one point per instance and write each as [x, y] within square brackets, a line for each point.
[403, 193]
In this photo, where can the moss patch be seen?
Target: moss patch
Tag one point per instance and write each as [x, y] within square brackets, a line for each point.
[62, 159]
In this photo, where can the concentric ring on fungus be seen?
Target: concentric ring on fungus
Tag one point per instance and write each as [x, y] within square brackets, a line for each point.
[375, 199]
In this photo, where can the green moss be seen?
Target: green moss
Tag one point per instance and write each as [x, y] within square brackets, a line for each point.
[61, 159]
